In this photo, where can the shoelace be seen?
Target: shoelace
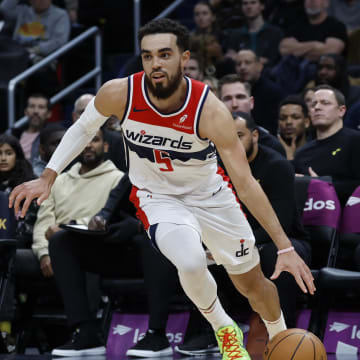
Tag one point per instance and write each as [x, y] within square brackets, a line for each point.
[230, 344]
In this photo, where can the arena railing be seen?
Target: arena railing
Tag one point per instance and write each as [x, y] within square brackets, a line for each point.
[93, 73]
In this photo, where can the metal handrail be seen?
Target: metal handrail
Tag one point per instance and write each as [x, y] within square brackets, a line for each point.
[137, 22]
[93, 73]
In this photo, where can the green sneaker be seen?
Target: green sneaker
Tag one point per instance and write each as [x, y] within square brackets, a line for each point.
[230, 340]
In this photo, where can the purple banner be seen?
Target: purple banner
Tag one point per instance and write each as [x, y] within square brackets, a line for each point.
[127, 329]
[342, 333]
[322, 206]
[350, 223]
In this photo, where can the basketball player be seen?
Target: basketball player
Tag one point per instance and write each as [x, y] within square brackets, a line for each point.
[171, 124]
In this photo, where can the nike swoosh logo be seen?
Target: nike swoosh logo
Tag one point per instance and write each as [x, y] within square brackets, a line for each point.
[138, 110]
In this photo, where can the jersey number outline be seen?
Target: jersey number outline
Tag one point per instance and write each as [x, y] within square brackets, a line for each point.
[163, 157]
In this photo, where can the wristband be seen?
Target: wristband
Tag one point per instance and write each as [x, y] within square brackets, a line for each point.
[283, 251]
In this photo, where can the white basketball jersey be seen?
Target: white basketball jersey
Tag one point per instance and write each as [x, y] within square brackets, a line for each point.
[165, 153]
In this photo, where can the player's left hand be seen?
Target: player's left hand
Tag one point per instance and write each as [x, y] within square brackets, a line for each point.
[295, 265]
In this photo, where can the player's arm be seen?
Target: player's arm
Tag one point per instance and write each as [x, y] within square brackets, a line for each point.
[110, 100]
[216, 124]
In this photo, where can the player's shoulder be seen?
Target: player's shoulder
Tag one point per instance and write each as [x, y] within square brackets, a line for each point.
[213, 106]
[114, 86]
[112, 97]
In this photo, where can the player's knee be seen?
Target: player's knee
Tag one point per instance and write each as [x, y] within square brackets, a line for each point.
[194, 266]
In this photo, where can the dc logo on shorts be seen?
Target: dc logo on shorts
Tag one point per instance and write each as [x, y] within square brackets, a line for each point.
[243, 251]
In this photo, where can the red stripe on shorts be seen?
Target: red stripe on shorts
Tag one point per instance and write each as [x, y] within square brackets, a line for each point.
[221, 172]
[139, 213]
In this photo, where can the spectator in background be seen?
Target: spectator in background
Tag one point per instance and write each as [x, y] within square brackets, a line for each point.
[193, 69]
[14, 169]
[72, 7]
[213, 83]
[286, 13]
[50, 137]
[267, 94]
[228, 13]
[205, 23]
[41, 28]
[319, 34]
[335, 151]
[90, 172]
[352, 117]
[332, 70]
[38, 112]
[236, 95]
[307, 95]
[256, 34]
[347, 11]
[80, 105]
[293, 122]
[204, 18]
[205, 42]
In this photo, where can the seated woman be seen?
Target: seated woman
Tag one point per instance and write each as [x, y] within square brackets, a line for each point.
[14, 169]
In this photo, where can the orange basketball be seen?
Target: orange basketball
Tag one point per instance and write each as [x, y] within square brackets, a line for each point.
[295, 344]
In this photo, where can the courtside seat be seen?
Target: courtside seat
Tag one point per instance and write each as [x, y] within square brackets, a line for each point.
[321, 214]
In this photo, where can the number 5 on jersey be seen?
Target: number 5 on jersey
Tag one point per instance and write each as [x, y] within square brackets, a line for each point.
[163, 157]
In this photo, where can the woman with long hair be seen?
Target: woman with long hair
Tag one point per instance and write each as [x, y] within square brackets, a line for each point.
[14, 169]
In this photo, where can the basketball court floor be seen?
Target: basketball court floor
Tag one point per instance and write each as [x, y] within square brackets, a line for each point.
[176, 357]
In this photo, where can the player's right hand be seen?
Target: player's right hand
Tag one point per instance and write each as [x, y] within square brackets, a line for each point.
[22, 195]
[28, 191]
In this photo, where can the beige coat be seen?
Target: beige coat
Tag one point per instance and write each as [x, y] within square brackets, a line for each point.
[74, 197]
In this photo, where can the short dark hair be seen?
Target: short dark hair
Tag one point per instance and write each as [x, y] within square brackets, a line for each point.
[41, 96]
[46, 132]
[339, 96]
[249, 120]
[295, 100]
[206, 3]
[166, 26]
[231, 79]
[260, 1]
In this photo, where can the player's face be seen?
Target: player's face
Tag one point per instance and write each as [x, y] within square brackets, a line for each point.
[251, 8]
[7, 158]
[236, 98]
[37, 111]
[192, 69]
[163, 64]
[292, 121]
[245, 135]
[325, 111]
[203, 16]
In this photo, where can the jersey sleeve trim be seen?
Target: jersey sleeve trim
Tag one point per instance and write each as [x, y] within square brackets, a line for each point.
[199, 110]
[128, 100]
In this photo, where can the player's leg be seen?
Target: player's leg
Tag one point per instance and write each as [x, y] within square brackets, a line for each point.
[182, 246]
[262, 295]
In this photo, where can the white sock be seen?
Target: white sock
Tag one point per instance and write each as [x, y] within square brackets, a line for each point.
[216, 315]
[274, 327]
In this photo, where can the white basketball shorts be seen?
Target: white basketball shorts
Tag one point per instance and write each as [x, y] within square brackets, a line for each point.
[217, 217]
